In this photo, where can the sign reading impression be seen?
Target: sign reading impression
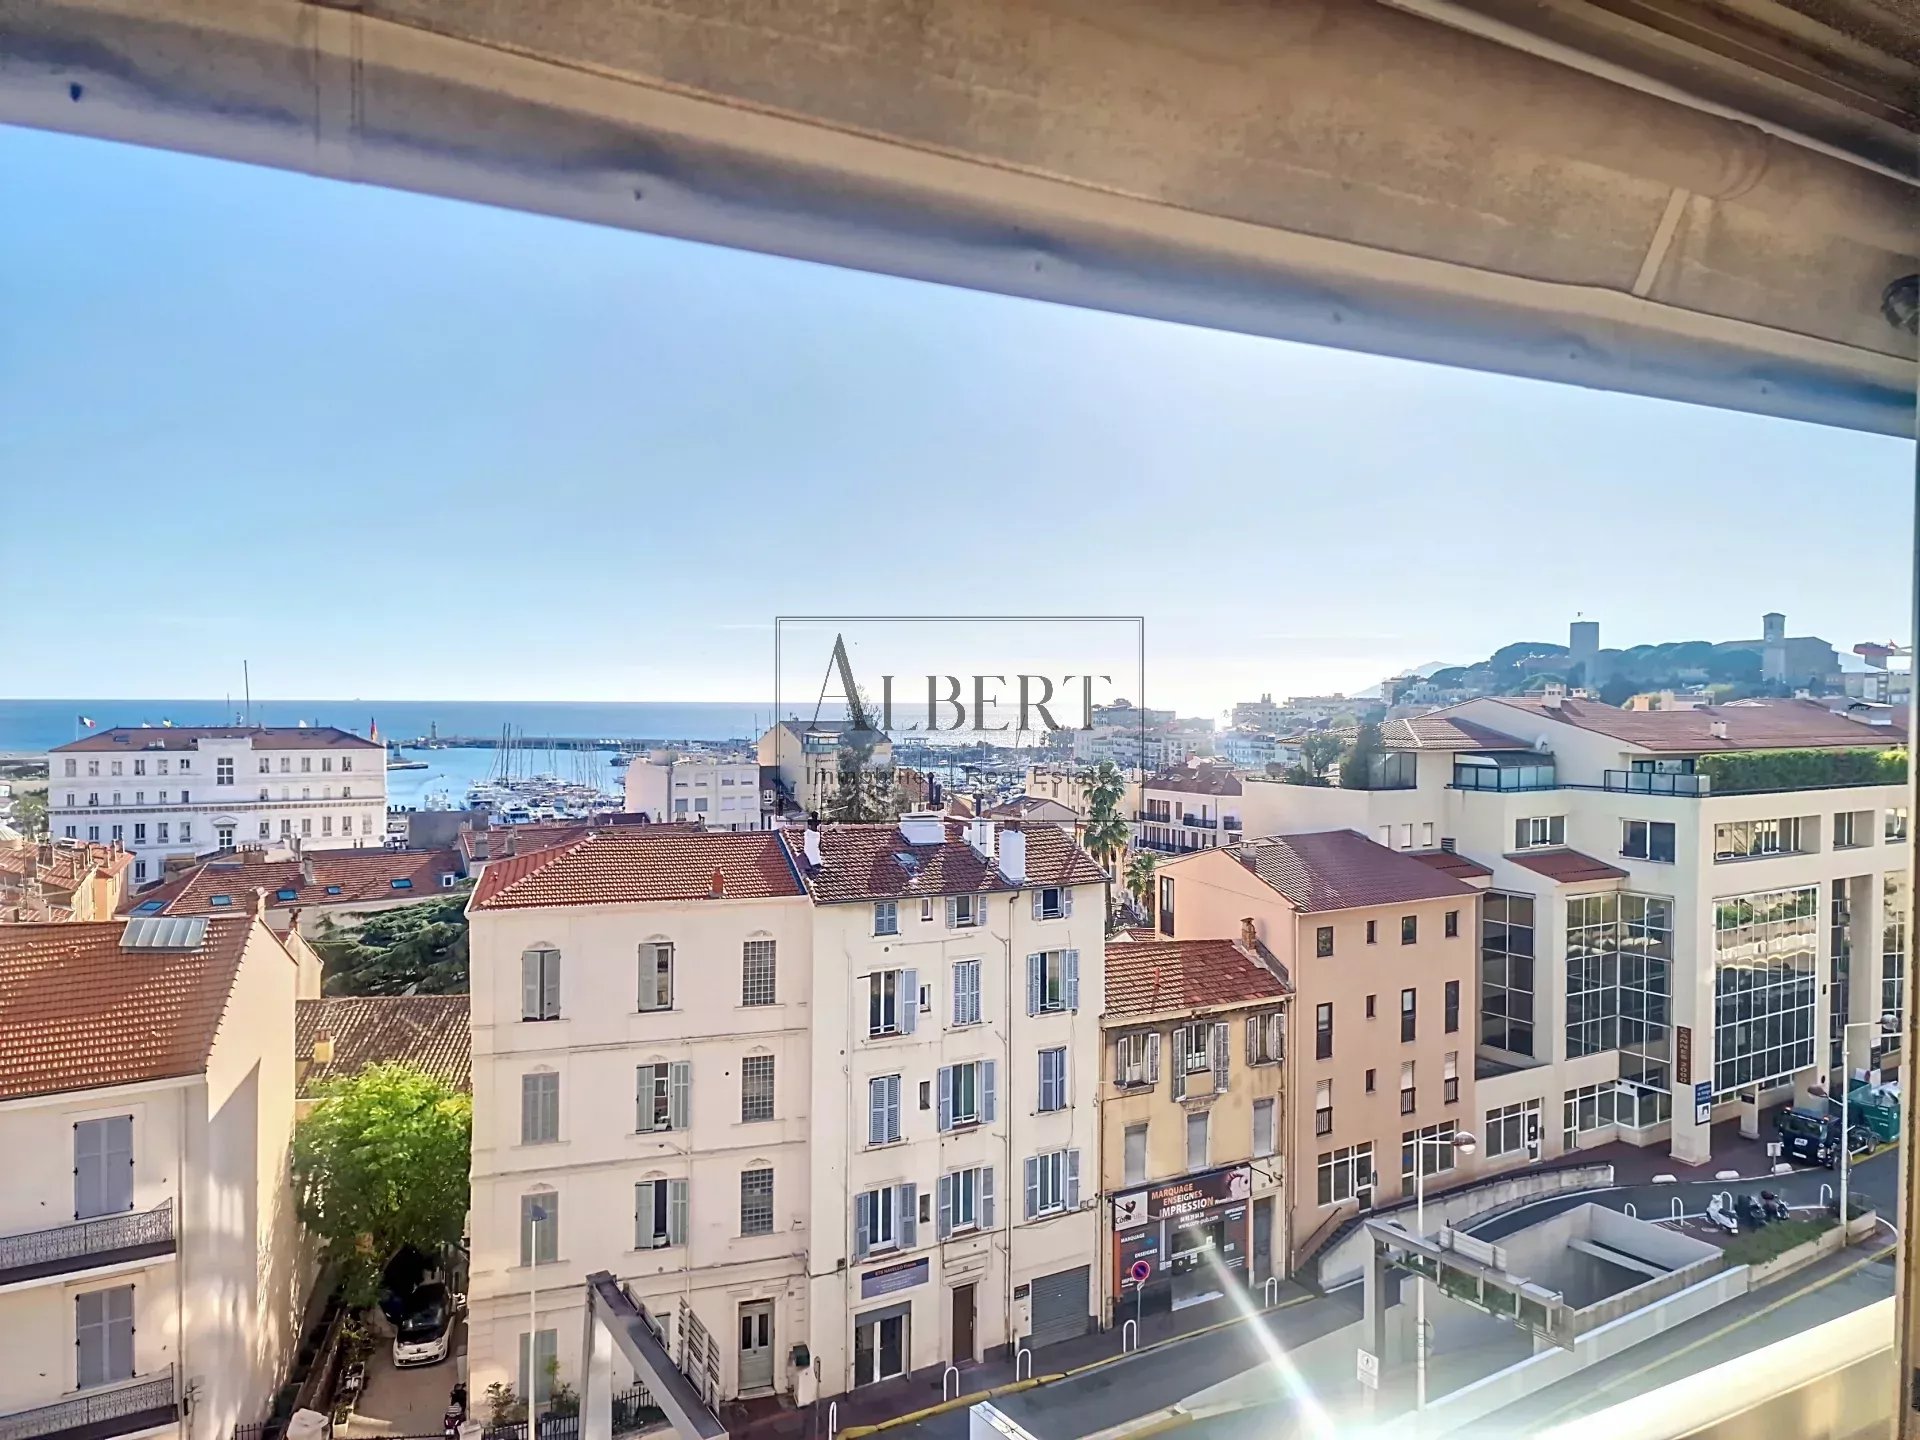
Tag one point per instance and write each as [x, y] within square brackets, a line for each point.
[1683, 1054]
[1185, 1197]
[892, 1278]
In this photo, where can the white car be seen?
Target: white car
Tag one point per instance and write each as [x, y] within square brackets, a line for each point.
[424, 1333]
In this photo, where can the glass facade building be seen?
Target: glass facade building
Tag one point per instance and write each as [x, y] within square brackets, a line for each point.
[1765, 986]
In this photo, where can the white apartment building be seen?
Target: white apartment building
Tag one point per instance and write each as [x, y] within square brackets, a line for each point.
[1656, 954]
[190, 790]
[803, 760]
[792, 1099]
[722, 792]
[151, 1265]
[1194, 808]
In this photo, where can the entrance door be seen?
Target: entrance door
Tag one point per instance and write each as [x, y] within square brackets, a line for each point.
[880, 1345]
[1262, 1238]
[756, 1345]
[963, 1342]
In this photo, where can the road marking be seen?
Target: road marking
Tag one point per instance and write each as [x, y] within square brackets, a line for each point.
[1719, 1334]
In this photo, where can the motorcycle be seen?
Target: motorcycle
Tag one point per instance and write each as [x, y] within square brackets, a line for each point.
[1774, 1207]
[1749, 1211]
[1721, 1217]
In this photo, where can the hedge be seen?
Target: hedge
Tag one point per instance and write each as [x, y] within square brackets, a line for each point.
[1744, 771]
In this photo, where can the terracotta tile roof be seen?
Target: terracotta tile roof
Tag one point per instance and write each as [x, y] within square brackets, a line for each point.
[875, 862]
[358, 876]
[131, 738]
[1343, 870]
[1444, 732]
[641, 864]
[1201, 780]
[1750, 724]
[1146, 977]
[1451, 862]
[429, 1032]
[82, 1012]
[59, 864]
[1567, 867]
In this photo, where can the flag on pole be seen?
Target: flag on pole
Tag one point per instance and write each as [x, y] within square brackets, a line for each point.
[87, 721]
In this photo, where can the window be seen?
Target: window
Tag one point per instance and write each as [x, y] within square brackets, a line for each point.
[326, 828]
[1053, 1182]
[118, 769]
[1264, 1140]
[1647, 840]
[139, 866]
[102, 1167]
[663, 1096]
[1323, 941]
[1323, 1031]
[756, 1202]
[883, 1109]
[103, 1336]
[656, 975]
[1452, 928]
[285, 765]
[1197, 1140]
[1538, 830]
[1373, 931]
[1136, 1058]
[1512, 1129]
[266, 766]
[886, 917]
[163, 765]
[1587, 1109]
[93, 832]
[306, 827]
[1766, 983]
[540, 1227]
[1134, 1151]
[93, 767]
[306, 764]
[893, 1000]
[1452, 1006]
[186, 831]
[1749, 839]
[1896, 830]
[1370, 1000]
[539, 1108]
[1053, 981]
[1409, 929]
[659, 1214]
[756, 1088]
[546, 1349]
[1450, 1078]
[286, 828]
[222, 772]
[1192, 1044]
[884, 1219]
[966, 1094]
[1166, 905]
[1051, 902]
[71, 833]
[93, 797]
[1370, 1079]
[1593, 974]
[966, 992]
[1346, 1174]
[756, 972]
[966, 911]
[160, 831]
[1418, 1147]
[1852, 828]
[346, 792]
[1053, 1079]
[1406, 1087]
[1406, 836]
[966, 1200]
[1409, 1015]
[1267, 1038]
[72, 768]
[346, 762]
[1506, 972]
[540, 984]
[119, 833]
[1323, 1106]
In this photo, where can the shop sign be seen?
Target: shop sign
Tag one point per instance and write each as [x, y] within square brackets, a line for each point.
[892, 1278]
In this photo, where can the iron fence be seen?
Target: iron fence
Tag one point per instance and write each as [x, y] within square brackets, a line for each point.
[136, 1404]
[68, 1246]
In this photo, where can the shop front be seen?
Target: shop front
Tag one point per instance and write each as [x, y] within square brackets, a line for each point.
[1181, 1242]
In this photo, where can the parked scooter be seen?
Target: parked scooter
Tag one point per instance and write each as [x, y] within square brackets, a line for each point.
[1719, 1215]
[1774, 1207]
[1749, 1212]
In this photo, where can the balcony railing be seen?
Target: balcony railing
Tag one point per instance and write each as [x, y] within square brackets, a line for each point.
[1204, 822]
[1655, 782]
[86, 1244]
[142, 1403]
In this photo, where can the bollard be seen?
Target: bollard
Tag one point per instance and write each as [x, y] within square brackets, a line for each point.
[833, 1419]
[1026, 1354]
[1272, 1292]
[1679, 1210]
[1129, 1337]
[1826, 1195]
[1628, 1209]
[954, 1371]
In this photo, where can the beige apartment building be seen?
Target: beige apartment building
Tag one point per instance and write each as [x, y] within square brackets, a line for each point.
[1192, 1121]
[1193, 807]
[802, 761]
[151, 1262]
[1379, 947]
[810, 1095]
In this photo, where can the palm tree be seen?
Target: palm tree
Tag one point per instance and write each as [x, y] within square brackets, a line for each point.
[1140, 868]
[1107, 830]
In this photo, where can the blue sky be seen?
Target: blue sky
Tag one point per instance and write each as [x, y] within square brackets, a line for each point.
[386, 445]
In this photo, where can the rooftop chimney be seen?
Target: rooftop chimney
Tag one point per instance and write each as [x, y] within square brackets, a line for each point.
[323, 1049]
[1719, 729]
[717, 887]
[306, 869]
[1249, 933]
[813, 843]
[1013, 854]
[980, 837]
[923, 827]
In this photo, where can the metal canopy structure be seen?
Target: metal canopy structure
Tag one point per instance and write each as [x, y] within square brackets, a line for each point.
[1712, 204]
[615, 1321]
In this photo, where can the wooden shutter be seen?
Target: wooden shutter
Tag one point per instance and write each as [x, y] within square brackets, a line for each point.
[643, 1215]
[1038, 908]
[1222, 1057]
[1277, 1036]
[1153, 1057]
[907, 1217]
[944, 1221]
[953, 912]
[987, 1073]
[680, 1095]
[530, 985]
[1033, 1186]
[908, 999]
[945, 1113]
[1071, 960]
[862, 1224]
[1066, 901]
[676, 1212]
[893, 1107]
[1033, 984]
[1179, 1079]
[1073, 1179]
[986, 1197]
[550, 986]
[877, 1110]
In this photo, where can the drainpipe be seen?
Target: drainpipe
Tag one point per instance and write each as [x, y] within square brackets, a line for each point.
[1013, 1187]
[180, 1233]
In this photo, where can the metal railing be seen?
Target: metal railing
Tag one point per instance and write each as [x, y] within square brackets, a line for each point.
[1204, 822]
[1655, 782]
[138, 1403]
[72, 1247]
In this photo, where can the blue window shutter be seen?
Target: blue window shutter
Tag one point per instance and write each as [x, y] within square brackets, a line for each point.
[862, 1224]
[946, 1097]
[908, 1219]
[680, 1095]
[676, 1212]
[1066, 901]
[1072, 962]
[944, 1225]
[550, 993]
[987, 1075]
[1033, 1186]
[1036, 904]
[909, 1000]
[953, 912]
[530, 986]
[1073, 1179]
[1033, 984]
[893, 1107]
[876, 1110]
[986, 1197]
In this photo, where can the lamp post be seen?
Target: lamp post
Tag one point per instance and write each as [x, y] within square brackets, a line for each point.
[1887, 1025]
[1465, 1144]
[536, 1214]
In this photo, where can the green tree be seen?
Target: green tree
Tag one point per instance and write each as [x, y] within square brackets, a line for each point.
[381, 1163]
[1356, 766]
[1318, 750]
[1140, 871]
[414, 950]
[30, 813]
[1107, 831]
[862, 791]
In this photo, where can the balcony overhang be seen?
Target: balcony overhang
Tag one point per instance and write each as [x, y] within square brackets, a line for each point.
[102, 1244]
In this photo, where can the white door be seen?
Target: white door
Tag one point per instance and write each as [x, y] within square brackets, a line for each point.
[756, 1346]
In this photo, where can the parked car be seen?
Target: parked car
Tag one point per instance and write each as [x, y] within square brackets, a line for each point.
[423, 1335]
[1808, 1136]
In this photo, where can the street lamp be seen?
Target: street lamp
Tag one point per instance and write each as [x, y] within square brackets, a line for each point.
[536, 1213]
[1463, 1142]
[1888, 1026]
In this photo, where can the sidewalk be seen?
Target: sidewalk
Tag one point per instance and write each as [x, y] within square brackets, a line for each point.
[893, 1399]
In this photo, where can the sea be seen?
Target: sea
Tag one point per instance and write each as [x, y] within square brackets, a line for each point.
[35, 726]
